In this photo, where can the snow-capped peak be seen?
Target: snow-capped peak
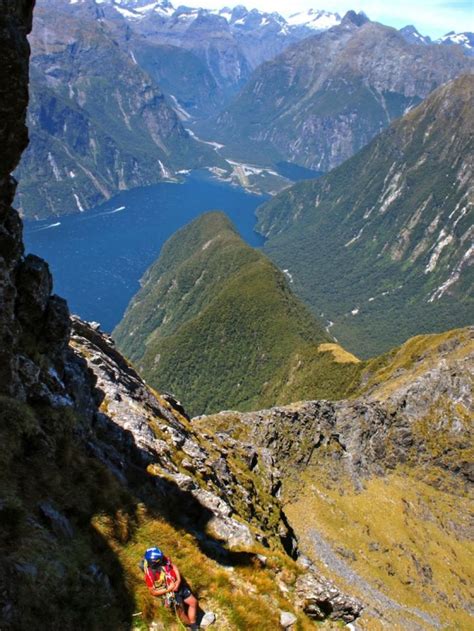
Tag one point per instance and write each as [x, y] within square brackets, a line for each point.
[465, 39]
[238, 17]
[138, 9]
[314, 19]
[413, 36]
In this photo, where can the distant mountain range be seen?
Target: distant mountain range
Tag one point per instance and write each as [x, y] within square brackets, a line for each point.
[326, 97]
[241, 20]
[211, 301]
[465, 40]
[383, 245]
[122, 90]
[203, 57]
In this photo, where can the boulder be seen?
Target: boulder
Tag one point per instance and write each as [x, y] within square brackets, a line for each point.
[320, 599]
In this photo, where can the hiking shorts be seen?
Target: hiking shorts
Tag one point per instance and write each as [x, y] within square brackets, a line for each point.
[184, 591]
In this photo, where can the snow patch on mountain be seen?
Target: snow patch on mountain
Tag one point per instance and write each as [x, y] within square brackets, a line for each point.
[314, 19]
[465, 39]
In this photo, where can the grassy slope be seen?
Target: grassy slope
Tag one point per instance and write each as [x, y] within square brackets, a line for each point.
[405, 537]
[399, 367]
[345, 253]
[111, 528]
[211, 302]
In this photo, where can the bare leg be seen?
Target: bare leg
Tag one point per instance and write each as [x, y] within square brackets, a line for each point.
[182, 615]
[192, 604]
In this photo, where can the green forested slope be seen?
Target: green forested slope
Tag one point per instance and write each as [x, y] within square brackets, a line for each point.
[383, 244]
[217, 324]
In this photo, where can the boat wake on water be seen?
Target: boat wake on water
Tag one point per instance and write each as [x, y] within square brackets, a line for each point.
[51, 225]
[112, 212]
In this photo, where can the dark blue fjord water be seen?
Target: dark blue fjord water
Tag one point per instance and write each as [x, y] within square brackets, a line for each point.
[98, 257]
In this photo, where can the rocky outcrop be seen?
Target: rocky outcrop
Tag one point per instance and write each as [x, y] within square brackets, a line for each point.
[428, 385]
[160, 439]
[226, 492]
[321, 600]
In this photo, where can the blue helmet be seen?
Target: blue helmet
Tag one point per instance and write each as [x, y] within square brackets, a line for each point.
[154, 555]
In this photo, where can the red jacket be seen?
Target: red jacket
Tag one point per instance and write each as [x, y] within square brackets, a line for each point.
[160, 578]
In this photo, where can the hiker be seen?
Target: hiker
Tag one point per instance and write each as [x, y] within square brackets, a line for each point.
[164, 579]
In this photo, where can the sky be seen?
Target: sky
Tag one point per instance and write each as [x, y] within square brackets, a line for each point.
[431, 17]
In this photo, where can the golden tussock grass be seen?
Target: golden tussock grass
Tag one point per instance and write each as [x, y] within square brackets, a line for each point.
[340, 355]
[406, 538]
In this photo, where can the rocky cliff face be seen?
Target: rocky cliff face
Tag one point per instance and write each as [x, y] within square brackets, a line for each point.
[143, 449]
[162, 439]
[34, 324]
[230, 494]
[428, 377]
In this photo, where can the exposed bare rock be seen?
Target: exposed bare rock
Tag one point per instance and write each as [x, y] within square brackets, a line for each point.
[287, 619]
[136, 425]
[320, 599]
[56, 521]
[391, 424]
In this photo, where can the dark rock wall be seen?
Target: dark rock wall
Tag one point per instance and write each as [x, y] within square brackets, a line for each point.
[34, 324]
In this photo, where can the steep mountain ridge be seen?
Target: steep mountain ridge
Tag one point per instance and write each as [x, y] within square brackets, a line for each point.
[387, 479]
[210, 301]
[465, 39]
[324, 98]
[387, 237]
